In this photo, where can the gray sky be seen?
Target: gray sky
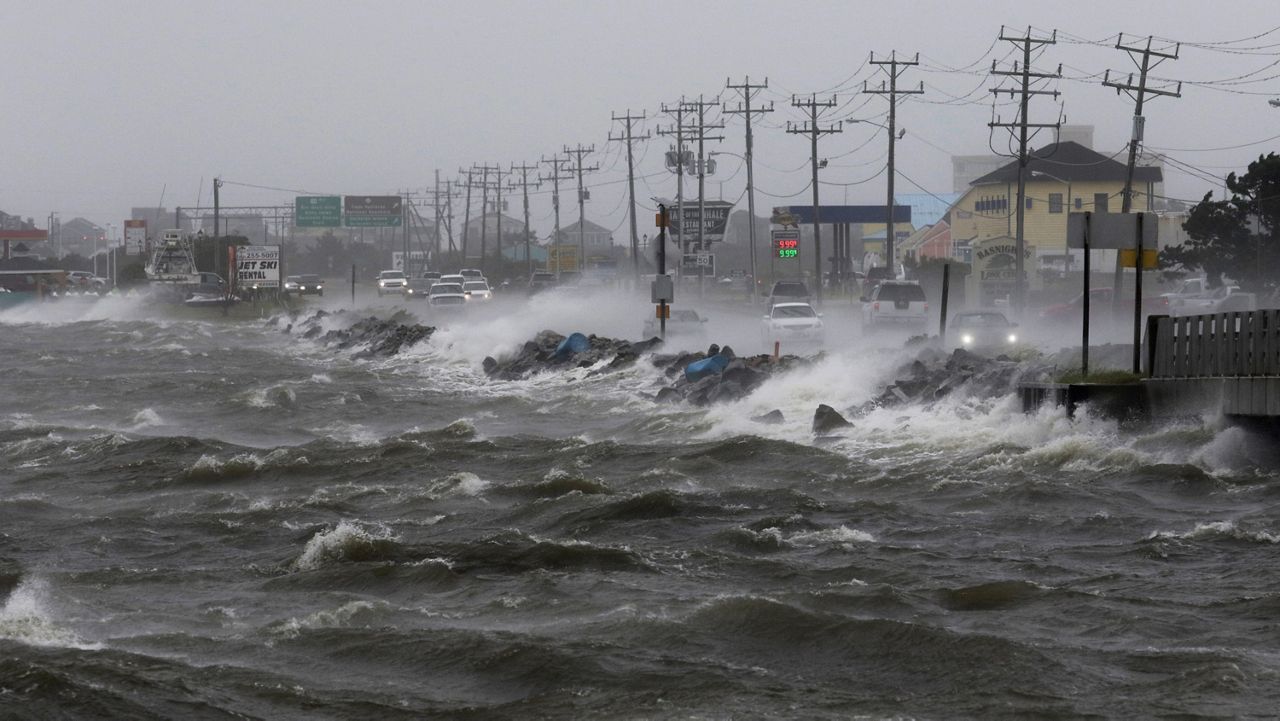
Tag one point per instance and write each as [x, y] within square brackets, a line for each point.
[108, 103]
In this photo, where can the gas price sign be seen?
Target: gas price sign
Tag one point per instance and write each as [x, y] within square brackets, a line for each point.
[786, 243]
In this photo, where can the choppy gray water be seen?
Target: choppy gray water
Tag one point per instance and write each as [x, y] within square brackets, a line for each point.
[206, 519]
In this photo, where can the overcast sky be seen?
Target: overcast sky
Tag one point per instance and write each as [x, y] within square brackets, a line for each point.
[109, 105]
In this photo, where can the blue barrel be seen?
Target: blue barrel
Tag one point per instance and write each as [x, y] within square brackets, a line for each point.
[576, 343]
[698, 370]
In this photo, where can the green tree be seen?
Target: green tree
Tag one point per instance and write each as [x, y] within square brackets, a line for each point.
[1238, 237]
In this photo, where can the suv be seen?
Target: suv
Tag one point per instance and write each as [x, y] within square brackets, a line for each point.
[895, 303]
[472, 273]
[391, 281]
[789, 291]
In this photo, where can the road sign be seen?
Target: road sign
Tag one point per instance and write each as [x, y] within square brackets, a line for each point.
[317, 211]
[662, 290]
[786, 243]
[698, 264]
[371, 211]
[1129, 258]
[1111, 231]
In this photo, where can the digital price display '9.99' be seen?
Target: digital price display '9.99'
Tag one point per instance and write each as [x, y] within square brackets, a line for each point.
[787, 247]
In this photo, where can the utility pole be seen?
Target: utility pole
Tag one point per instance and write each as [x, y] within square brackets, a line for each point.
[748, 92]
[679, 162]
[629, 139]
[1138, 93]
[484, 171]
[813, 129]
[1025, 78]
[557, 174]
[893, 92]
[524, 184]
[466, 215]
[217, 249]
[578, 152]
[699, 107]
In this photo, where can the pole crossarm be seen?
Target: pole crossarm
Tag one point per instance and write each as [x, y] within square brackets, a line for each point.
[895, 69]
[747, 91]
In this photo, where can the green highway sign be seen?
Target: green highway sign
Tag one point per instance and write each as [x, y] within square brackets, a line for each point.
[317, 211]
[371, 211]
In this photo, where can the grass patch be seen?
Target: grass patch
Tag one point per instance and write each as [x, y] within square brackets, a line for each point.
[1104, 377]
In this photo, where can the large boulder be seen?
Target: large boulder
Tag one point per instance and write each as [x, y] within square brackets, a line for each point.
[827, 419]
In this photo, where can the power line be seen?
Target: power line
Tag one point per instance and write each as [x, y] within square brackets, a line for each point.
[813, 129]
[892, 92]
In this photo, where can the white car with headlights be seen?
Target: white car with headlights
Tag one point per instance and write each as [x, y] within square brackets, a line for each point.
[447, 297]
[391, 281]
[982, 330]
[792, 324]
[477, 290]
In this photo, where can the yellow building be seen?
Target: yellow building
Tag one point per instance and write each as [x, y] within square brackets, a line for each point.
[1061, 178]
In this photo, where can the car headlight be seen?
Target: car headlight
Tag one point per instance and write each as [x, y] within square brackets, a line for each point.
[1013, 338]
[966, 339]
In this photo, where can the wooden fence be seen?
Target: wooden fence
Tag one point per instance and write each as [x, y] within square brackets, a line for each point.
[1220, 345]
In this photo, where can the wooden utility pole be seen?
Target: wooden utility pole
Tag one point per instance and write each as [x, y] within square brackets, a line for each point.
[485, 185]
[813, 129]
[679, 163]
[699, 108]
[466, 215]
[748, 92]
[1025, 78]
[893, 92]
[524, 184]
[1139, 93]
[629, 138]
[577, 153]
[557, 174]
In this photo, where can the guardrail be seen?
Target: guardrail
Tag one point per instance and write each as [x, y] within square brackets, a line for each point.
[1218, 345]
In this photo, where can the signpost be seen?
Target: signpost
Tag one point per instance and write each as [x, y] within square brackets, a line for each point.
[317, 211]
[258, 266]
[717, 219]
[372, 211]
[698, 263]
[135, 237]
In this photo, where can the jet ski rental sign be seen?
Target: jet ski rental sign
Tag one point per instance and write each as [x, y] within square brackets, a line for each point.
[258, 266]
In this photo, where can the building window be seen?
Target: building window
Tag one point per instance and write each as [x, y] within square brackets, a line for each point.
[1055, 202]
[1028, 202]
[1079, 203]
[1100, 202]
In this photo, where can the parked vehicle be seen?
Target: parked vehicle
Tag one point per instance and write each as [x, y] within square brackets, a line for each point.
[895, 304]
[418, 288]
[792, 324]
[477, 290]
[391, 281]
[304, 285]
[683, 322]
[789, 291]
[85, 282]
[541, 280]
[981, 329]
[1223, 299]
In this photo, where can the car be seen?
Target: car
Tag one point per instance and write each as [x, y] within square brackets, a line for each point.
[541, 280]
[477, 290]
[789, 291]
[447, 296]
[391, 281]
[457, 278]
[981, 329]
[895, 304]
[418, 288]
[431, 275]
[792, 324]
[684, 322]
[1223, 299]
[85, 282]
[304, 285]
[472, 273]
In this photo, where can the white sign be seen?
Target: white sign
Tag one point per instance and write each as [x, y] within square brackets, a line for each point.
[1111, 231]
[135, 237]
[258, 266]
[417, 257]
